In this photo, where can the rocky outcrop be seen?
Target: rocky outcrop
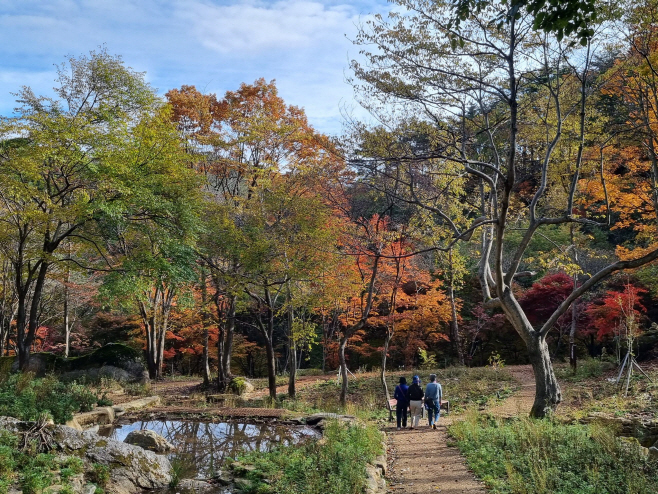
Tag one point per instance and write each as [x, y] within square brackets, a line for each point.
[132, 468]
[641, 428]
[114, 361]
[131, 406]
[106, 415]
[150, 440]
[318, 419]
[377, 472]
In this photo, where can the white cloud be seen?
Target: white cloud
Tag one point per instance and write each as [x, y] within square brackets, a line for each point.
[254, 28]
[212, 44]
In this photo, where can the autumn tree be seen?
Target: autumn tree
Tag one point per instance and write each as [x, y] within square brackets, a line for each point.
[101, 150]
[617, 314]
[472, 86]
[262, 162]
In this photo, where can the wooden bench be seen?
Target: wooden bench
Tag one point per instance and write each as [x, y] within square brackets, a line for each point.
[445, 405]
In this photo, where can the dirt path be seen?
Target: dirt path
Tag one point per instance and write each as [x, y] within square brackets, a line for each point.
[521, 401]
[420, 462]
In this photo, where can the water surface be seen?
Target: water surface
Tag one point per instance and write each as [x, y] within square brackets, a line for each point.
[202, 447]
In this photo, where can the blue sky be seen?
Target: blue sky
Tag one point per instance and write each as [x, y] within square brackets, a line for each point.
[214, 45]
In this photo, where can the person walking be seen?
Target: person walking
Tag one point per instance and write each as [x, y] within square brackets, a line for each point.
[433, 396]
[415, 394]
[402, 395]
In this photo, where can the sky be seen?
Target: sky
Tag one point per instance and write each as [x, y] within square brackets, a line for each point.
[214, 45]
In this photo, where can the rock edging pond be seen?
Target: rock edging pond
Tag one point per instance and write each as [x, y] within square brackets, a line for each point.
[131, 468]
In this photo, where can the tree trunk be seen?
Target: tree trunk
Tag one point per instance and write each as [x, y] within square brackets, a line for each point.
[572, 332]
[206, 361]
[67, 323]
[293, 370]
[454, 324]
[292, 349]
[226, 322]
[343, 369]
[222, 380]
[27, 322]
[387, 342]
[547, 394]
[205, 317]
[228, 342]
[23, 356]
[271, 367]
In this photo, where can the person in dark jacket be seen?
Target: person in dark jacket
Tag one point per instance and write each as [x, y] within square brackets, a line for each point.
[415, 394]
[401, 394]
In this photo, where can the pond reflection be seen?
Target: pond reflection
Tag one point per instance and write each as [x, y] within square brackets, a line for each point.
[201, 447]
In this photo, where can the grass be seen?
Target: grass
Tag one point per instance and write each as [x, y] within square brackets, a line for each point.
[592, 389]
[465, 388]
[33, 471]
[525, 456]
[336, 464]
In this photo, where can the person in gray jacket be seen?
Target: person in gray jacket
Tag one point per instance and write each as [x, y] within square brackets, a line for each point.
[433, 396]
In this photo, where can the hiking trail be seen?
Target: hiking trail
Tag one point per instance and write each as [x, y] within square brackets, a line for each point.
[420, 460]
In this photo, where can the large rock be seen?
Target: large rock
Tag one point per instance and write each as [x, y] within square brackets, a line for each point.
[317, 418]
[138, 404]
[132, 468]
[653, 452]
[114, 361]
[98, 416]
[150, 440]
[240, 386]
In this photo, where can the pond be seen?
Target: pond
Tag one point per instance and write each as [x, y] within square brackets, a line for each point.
[202, 447]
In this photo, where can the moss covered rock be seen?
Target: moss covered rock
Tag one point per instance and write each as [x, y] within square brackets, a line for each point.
[115, 361]
[240, 386]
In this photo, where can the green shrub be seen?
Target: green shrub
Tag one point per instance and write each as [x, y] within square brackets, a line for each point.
[104, 401]
[66, 489]
[137, 389]
[7, 462]
[5, 484]
[310, 372]
[36, 474]
[26, 398]
[99, 475]
[336, 465]
[542, 456]
[238, 385]
[73, 463]
[85, 399]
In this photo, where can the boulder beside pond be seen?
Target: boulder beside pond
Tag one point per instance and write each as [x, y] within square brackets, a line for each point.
[132, 469]
[114, 360]
[150, 440]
